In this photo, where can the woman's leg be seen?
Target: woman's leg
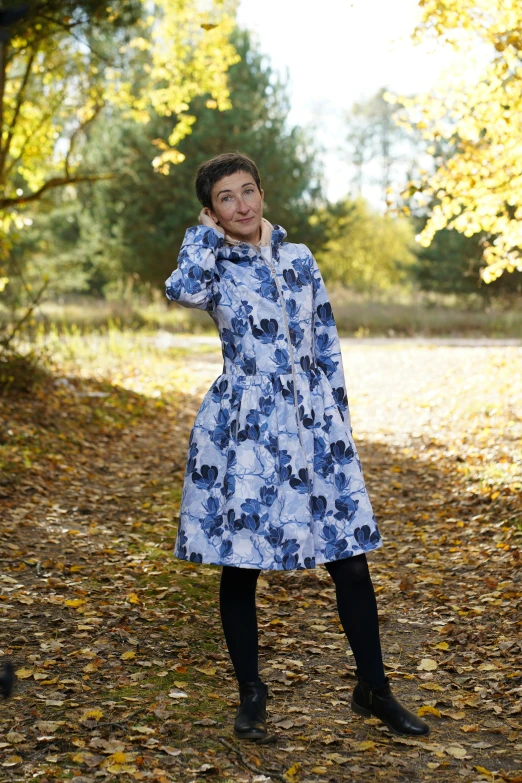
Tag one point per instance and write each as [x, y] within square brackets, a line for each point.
[237, 603]
[357, 608]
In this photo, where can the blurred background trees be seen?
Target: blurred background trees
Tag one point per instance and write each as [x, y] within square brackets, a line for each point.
[103, 127]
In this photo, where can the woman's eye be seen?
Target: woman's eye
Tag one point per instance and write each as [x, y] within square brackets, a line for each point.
[250, 190]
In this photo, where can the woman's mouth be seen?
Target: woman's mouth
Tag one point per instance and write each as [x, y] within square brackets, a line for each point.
[246, 220]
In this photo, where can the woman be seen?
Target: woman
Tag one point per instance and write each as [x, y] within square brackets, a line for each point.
[273, 479]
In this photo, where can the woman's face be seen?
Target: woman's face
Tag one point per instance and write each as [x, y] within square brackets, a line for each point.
[237, 206]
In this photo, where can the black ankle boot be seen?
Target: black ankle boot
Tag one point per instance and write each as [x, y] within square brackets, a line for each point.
[250, 721]
[6, 679]
[381, 703]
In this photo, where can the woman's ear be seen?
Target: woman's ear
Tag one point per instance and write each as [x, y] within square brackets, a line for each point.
[213, 216]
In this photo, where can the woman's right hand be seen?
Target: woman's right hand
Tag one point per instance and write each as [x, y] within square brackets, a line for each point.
[206, 220]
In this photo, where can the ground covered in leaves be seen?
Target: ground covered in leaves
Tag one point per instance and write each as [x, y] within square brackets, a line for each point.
[122, 669]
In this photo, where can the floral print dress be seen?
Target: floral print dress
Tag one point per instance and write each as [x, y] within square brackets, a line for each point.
[273, 479]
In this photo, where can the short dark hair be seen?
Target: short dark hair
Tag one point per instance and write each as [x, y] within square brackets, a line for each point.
[211, 171]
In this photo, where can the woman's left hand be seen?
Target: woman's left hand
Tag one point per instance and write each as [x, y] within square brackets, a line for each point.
[206, 219]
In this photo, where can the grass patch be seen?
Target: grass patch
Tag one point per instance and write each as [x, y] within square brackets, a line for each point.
[395, 313]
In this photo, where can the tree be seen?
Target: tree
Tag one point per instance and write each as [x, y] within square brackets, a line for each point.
[375, 139]
[63, 64]
[479, 188]
[365, 251]
[135, 222]
[66, 62]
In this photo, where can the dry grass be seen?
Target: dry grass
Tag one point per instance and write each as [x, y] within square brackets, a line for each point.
[398, 314]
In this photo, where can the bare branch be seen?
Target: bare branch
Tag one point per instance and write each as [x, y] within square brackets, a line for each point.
[55, 182]
[76, 133]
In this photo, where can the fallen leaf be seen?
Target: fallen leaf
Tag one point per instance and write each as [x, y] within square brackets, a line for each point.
[455, 715]
[292, 773]
[169, 750]
[92, 714]
[456, 751]
[12, 761]
[208, 670]
[24, 674]
[14, 737]
[428, 710]
[178, 695]
[483, 770]
[427, 665]
[365, 745]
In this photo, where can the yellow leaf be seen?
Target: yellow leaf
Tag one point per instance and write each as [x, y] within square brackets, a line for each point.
[128, 656]
[292, 773]
[208, 670]
[14, 737]
[441, 646]
[116, 769]
[92, 715]
[133, 598]
[483, 770]
[91, 667]
[23, 674]
[427, 665]
[75, 602]
[320, 770]
[364, 745]
[118, 758]
[208, 26]
[12, 761]
[428, 710]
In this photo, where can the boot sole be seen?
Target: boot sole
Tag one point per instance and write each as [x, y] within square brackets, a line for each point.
[254, 735]
[367, 714]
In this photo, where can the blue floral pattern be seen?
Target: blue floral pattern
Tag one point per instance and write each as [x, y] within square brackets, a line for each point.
[273, 479]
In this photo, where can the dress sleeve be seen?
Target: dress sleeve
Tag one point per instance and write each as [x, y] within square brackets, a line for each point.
[192, 283]
[326, 345]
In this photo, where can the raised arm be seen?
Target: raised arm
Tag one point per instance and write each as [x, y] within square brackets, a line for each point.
[192, 283]
[326, 343]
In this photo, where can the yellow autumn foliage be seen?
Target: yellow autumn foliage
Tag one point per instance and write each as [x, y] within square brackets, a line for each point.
[479, 188]
[56, 83]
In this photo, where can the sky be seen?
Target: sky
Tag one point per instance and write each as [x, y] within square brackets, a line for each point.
[337, 52]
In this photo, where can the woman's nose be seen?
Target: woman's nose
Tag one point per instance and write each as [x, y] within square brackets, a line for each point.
[242, 206]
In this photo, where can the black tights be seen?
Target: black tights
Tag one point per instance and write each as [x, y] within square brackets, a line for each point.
[356, 605]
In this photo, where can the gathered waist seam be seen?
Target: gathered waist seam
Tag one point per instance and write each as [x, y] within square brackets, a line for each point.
[314, 368]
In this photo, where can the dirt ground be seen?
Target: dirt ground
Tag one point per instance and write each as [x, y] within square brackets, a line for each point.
[122, 668]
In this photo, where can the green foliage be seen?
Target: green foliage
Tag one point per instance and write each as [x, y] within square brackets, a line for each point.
[452, 264]
[133, 225]
[365, 251]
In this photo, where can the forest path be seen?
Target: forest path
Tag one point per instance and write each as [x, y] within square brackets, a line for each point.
[123, 671]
